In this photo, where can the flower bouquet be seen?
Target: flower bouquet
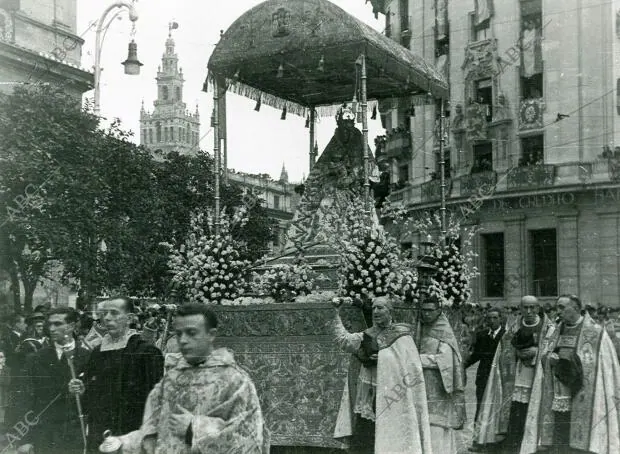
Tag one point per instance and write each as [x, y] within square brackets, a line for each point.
[206, 267]
[285, 282]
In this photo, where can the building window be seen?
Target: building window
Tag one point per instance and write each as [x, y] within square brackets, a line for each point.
[483, 158]
[493, 265]
[532, 87]
[158, 129]
[532, 151]
[144, 136]
[481, 20]
[403, 174]
[187, 134]
[151, 136]
[405, 25]
[165, 134]
[172, 133]
[164, 92]
[531, 49]
[181, 135]
[484, 95]
[178, 93]
[544, 262]
[276, 202]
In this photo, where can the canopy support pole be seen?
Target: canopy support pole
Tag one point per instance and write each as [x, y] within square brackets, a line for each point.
[223, 129]
[364, 103]
[216, 153]
[311, 125]
[442, 170]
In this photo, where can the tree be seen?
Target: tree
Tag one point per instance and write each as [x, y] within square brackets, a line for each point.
[42, 128]
[67, 187]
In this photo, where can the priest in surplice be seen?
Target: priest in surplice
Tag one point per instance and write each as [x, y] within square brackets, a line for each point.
[443, 375]
[574, 406]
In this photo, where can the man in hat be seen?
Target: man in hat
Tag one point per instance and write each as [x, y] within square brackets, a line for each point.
[35, 338]
[121, 372]
[205, 404]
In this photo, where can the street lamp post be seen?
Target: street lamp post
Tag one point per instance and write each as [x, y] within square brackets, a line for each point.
[132, 64]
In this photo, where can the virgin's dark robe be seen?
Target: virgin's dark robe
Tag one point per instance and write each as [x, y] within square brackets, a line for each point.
[336, 179]
[117, 385]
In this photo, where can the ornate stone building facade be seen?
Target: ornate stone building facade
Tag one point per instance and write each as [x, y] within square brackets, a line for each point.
[280, 200]
[170, 127]
[39, 42]
[532, 139]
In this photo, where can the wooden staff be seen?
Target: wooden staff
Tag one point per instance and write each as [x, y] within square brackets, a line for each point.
[78, 402]
[163, 342]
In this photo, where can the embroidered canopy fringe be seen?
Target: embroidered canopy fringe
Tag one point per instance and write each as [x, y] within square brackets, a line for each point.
[276, 102]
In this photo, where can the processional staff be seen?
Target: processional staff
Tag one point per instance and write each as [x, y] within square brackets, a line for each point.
[78, 402]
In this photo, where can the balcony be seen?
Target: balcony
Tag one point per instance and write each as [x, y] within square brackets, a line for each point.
[531, 114]
[431, 190]
[531, 177]
[501, 183]
[471, 184]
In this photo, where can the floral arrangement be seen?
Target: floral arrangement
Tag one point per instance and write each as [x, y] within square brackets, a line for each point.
[285, 282]
[451, 280]
[455, 269]
[206, 268]
[371, 261]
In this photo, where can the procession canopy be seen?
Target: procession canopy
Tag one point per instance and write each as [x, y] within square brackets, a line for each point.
[302, 54]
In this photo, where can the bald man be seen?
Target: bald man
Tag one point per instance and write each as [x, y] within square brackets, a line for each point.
[504, 406]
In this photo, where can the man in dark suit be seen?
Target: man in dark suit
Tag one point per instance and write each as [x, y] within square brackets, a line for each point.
[484, 351]
[50, 411]
[16, 327]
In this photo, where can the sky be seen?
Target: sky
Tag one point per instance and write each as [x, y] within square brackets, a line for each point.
[258, 142]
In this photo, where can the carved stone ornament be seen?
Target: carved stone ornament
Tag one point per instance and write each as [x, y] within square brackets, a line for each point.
[280, 22]
[480, 60]
[6, 26]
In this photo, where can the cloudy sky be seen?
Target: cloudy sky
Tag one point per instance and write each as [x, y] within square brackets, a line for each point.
[259, 142]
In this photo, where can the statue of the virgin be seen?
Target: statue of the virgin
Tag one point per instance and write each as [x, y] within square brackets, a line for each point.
[335, 181]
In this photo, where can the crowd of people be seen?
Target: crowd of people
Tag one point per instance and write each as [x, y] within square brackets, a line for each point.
[94, 381]
[547, 381]
[148, 378]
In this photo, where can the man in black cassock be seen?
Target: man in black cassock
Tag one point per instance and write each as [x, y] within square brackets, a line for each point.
[119, 376]
[50, 411]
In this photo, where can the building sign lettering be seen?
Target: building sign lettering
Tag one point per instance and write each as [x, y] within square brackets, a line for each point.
[602, 196]
[535, 201]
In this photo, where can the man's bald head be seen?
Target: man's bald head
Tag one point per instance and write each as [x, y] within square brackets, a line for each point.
[529, 308]
[529, 299]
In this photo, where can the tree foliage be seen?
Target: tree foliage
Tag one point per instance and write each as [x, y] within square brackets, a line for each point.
[67, 187]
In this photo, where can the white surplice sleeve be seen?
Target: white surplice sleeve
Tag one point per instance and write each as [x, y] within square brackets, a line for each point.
[348, 342]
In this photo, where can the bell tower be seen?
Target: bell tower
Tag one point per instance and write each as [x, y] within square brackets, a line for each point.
[170, 127]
